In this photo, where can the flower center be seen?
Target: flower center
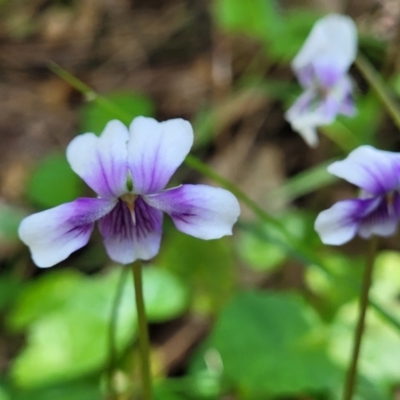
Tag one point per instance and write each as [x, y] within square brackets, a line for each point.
[129, 200]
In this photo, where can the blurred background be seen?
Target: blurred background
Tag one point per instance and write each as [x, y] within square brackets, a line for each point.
[237, 318]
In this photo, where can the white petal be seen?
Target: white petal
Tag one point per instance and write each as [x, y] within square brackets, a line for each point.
[156, 149]
[202, 211]
[102, 162]
[375, 171]
[331, 42]
[127, 239]
[336, 225]
[52, 235]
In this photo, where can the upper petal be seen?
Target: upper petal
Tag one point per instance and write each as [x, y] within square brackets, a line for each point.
[155, 151]
[330, 48]
[202, 211]
[52, 235]
[375, 171]
[128, 239]
[340, 223]
[102, 162]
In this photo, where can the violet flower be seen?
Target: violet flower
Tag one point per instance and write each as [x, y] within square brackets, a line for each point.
[129, 169]
[377, 209]
[321, 67]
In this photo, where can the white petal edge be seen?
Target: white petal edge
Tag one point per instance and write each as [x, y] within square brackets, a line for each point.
[336, 225]
[102, 162]
[156, 150]
[333, 39]
[201, 211]
[376, 171]
[54, 234]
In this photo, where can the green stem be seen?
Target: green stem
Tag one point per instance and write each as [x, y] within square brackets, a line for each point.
[112, 357]
[379, 86]
[352, 371]
[144, 344]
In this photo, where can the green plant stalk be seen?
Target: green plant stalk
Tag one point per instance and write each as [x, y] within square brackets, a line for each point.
[144, 344]
[112, 347]
[351, 377]
[378, 85]
[299, 250]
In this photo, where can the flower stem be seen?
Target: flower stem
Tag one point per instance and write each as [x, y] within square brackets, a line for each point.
[378, 85]
[143, 332]
[367, 279]
[112, 347]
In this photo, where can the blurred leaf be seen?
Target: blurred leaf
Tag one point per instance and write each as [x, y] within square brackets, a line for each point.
[342, 285]
[280, 347]
[256, 243]
[69, 316]
[94, 116]
[54, 182]
[257, 18]
[10, 288]
[10, 218]
[303, 183]
[206, 268]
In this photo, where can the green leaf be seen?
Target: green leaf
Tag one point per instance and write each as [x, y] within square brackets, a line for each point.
[272, 344]
[94, 116]
[257, 18]
[68, 317]
[54, 182]
[206, 268]
[10, 218]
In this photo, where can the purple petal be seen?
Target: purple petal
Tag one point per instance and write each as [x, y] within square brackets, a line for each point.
[327, 74]
[375, 171]
[102, 161]
[340, 223]
[156, 149]
[383, 220]
[127, 241]
[202, 211]
[54, 234]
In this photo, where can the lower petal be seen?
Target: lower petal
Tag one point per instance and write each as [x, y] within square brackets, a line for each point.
[340, 223]
[127, 237]
[52, 235]
[383, 220]
[202, 211]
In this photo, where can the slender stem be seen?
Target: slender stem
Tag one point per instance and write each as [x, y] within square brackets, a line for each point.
[352, 371]
[143, 332]
[112, 347]
[379, 86]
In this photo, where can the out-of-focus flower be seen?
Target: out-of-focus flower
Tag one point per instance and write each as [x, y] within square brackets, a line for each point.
[377, 209]
[129, 169]
[321, 67]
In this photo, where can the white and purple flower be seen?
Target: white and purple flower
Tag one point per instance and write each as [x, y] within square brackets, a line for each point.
[129, 169]
[321, 67]
[377, 209]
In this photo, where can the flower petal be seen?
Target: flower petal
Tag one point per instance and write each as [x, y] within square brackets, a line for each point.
[102, 162]
[383, 220]
[202, 211]
[54, 234]
[125, 241]
[330, 48]
[375, 171]
[340, 223]
[155, 151]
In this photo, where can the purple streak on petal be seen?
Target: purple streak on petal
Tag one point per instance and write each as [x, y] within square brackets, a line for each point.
[375, 171]
[305, 75]
[102, 161]
[328, 75]
[155, 151]
[340, 223]
[382, 221]
[54, 234]
[329, 108]
[348, 107]
[125, 241]
[199, 210]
